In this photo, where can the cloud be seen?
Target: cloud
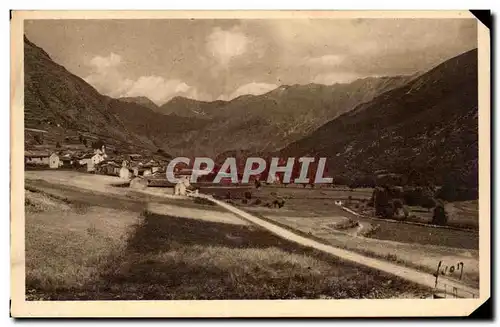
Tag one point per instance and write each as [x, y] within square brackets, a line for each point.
[335, 77]
[103, 63]
[224, 45]
[107, 78]
[326, 60]
[250, 88]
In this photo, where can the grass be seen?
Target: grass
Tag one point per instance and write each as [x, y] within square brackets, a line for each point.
[178, 258]
[67, 245]
[103, 253]
[418, 256]
[461, 215]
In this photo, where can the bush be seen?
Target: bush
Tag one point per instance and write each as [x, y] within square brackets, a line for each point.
[449, 192]
[278, 203]
[428, 203]
[257, 201]
[439, 216]
[418, 196]
[388, 212]
[397, 204]
[248, 195]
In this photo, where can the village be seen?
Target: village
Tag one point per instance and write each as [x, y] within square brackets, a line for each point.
[96, 161]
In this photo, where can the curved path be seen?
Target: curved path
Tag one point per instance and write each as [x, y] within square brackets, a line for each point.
[418, 277]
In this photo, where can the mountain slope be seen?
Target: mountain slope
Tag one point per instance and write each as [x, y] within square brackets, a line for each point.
[143, 101]
[185, 107]
[268, 122]
[65, 106]
[427, 127]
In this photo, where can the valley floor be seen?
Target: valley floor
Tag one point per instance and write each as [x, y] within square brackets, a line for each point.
[87, 239]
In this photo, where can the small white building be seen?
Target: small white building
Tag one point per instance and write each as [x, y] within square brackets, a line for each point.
[54, 161]
[124, 173]
[97, 158]
[181, 186]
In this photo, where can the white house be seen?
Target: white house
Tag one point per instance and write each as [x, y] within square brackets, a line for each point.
[124, 173]
[181, 187]
[97, 158]
[54, 161]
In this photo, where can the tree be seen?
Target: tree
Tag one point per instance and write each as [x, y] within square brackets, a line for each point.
[98, 144]
[439, 217]
[397, 204]
[428, 203]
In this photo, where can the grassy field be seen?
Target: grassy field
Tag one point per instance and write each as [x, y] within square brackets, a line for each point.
[88, 246]
[67, 245]
[424, 257]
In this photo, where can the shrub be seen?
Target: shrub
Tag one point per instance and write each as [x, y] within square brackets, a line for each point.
[439, 216]
[413, 196]
[248, 195]
[428, 203]
[388, 212]
[450, 192]
[257, 201]
[397, 204]
[278, 203]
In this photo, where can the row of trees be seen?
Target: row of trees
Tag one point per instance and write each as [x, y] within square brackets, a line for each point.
[389, 202]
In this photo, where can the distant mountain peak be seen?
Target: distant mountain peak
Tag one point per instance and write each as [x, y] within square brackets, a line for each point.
[141, 100]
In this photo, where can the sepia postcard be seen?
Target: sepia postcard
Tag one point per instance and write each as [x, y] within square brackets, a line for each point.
[249, 163]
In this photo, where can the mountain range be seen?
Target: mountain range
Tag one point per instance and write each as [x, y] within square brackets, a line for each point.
[425, 123]
[64, 105]
[428, 127]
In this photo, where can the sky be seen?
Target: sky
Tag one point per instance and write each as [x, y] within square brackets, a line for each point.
[210, 59]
